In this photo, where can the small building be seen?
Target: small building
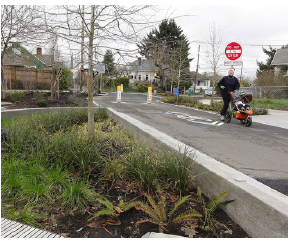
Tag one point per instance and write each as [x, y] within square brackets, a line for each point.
[141, 70]
[201, 85]
[280, 59]
[18, 56]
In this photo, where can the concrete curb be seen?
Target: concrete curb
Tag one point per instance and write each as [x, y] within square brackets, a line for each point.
[260, 210]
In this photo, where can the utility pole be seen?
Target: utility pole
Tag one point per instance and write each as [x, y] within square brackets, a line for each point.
[241, 72]
[82, 49]
[71, 68]
[196, 70]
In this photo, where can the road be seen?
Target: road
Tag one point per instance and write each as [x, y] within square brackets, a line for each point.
[259, 151]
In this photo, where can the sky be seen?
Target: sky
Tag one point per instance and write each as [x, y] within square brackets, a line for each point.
[252, 26]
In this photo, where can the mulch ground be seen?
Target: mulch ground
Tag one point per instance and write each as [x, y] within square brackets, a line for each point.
[28, 101]
[127, 224]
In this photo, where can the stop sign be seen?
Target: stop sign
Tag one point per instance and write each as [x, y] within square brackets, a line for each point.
[233, 51]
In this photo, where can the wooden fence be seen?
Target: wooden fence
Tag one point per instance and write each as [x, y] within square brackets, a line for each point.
[26, 78]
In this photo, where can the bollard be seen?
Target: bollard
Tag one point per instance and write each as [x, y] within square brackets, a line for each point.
[121, 88]
[149, 96]
[118, 94]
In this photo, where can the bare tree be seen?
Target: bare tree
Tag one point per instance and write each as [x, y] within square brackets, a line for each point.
[105, 27]
[213, 52]
[20, 23]
[179, 64]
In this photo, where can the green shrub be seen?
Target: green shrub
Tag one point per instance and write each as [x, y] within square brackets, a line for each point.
[259, 111]
[41, 103]
[16, 96]
[64, 83]
[102, 114]
[122, 80]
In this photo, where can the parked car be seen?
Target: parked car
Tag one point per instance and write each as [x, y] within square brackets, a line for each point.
[208, 92]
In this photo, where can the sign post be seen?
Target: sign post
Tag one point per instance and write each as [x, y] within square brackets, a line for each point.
[233, 52]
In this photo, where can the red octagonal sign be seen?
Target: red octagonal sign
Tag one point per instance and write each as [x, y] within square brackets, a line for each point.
[233, 51]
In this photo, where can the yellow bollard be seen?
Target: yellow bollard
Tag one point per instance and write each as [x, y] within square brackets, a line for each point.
[121, 88]
[118, 94]
[149, 96]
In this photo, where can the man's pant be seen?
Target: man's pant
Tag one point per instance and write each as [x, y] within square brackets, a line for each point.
[226, 99]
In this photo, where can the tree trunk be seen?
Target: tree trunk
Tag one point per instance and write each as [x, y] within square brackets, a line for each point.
[91, 124]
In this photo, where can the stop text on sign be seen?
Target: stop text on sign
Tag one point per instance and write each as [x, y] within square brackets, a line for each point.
[233, 51]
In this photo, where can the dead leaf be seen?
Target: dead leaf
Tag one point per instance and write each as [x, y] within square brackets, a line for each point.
[190, 231]
[79, 229]
[93, 225]
[64, 234]
[229, 231]
[109, 222]
[119, 210]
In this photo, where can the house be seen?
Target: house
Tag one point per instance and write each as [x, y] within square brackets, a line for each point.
[202, 82]
[142, 70]
[280, 59]
[18, 56]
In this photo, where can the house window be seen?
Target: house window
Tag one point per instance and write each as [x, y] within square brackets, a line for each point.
[198, 83]
[204, 83]
[139, 76]
[146, 76]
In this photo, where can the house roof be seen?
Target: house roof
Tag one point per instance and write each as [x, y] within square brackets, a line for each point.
[15, 60]
[17, 55]
[146, 66]
[280, 57]
[45, 58]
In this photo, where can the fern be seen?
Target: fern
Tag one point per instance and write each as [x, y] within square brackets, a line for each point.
[216, 203]
[125, 206]
[179, 202]
[157, 209]
[188, 215]
[158, 212]
[100, 213]
[147, 209]
[110, 208]
[105, 202]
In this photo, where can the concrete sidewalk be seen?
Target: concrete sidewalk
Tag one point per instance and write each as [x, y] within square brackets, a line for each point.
[278, 118]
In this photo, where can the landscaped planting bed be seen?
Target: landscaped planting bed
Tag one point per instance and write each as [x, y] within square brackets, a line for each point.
[55, 178]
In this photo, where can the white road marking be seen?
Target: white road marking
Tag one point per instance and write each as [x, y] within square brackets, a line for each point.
[195, 119]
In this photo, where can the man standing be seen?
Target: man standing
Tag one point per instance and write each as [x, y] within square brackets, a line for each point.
[228, 84]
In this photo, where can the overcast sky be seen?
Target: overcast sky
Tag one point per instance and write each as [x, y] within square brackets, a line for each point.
[252, 26]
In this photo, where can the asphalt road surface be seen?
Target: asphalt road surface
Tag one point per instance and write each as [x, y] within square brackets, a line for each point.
[259, 151]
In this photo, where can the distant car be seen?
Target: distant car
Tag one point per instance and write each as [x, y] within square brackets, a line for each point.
[208, 92]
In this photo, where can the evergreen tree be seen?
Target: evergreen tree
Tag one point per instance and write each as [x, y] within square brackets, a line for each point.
[163, 44]
[266, 67]
[109, 63]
